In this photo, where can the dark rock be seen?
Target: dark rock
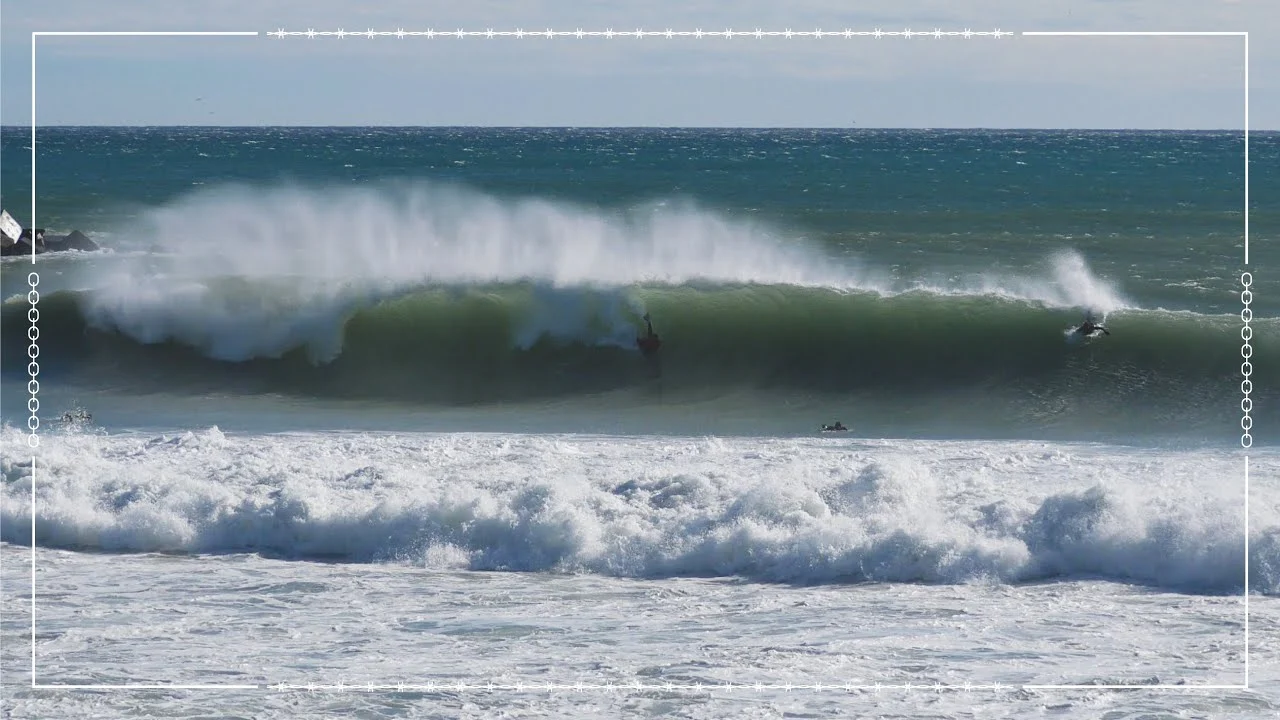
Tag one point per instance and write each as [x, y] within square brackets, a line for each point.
[23, 245]
[75, 241]
[44, 244]
[79, 241]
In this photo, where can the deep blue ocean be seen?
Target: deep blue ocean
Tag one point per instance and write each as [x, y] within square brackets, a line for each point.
[350, 408]
[914, 282]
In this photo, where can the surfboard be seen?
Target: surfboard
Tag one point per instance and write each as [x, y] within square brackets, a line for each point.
[1074, 336]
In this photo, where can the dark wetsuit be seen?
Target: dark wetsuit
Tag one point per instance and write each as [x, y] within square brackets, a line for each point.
[1088, 327]
[650, 343]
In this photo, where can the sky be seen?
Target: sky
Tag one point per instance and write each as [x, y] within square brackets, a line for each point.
[1011, 82]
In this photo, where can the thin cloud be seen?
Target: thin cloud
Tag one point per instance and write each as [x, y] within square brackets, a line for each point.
[1168, 70]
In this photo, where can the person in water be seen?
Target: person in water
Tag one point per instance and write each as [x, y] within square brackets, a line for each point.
[838, 427]
[1088, 327]
[650, 343]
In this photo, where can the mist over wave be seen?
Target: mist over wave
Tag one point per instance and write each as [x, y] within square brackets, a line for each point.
[247, 272]
[419, 233]
[427, 294]
[769, 510]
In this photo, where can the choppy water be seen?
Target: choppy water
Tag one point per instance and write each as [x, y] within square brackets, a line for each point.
[356, 559]
[851, 275]
[367, 408]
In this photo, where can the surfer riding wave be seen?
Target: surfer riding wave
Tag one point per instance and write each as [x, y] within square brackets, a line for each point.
[1089, 328]
[650, 343]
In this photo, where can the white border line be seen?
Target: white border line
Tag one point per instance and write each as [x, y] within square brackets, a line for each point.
[139, 33]
[33, 148]
[705, 687]
[610, 33]
[33, 280]
[1245, 35]
[33, 571]
[1127, 33]
[520, 687]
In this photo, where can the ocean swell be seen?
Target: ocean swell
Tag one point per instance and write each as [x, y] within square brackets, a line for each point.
[514, 342]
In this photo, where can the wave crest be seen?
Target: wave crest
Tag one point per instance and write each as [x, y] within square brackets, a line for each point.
[798, 511]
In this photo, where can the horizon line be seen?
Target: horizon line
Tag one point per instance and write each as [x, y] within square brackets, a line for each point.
[1099, 128]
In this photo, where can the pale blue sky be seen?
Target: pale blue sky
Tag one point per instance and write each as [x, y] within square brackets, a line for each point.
[892, 82]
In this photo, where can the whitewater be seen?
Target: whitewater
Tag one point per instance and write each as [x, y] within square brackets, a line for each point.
[329, 558]
[774, 510]
[381, 429]
[445, 296]
[248, 272]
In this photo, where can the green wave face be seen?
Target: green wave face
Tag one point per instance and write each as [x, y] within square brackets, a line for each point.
[528, 342]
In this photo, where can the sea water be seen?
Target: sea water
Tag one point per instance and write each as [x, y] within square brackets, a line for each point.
[366, 409]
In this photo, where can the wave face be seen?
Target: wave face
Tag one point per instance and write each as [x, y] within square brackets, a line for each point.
[503, 342]
[442, 295]
[796, 511]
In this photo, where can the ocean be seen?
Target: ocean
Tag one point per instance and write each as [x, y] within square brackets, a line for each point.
[355, 417]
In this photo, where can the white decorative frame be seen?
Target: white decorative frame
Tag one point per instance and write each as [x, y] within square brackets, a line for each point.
[33, 405]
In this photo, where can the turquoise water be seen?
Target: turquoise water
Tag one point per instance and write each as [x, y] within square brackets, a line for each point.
[912, 282]
[379, 390]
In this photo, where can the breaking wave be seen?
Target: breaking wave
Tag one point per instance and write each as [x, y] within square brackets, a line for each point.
[795, 511]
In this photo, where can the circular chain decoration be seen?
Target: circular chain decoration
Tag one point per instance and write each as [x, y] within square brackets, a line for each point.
[33, 352]
[1246, 367]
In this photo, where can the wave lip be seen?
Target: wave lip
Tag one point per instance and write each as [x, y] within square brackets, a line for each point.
[435, 295]
[770, 511]
[413, 233]
[465, 345]
[243, 272]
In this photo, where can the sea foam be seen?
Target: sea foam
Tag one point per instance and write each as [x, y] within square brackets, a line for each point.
[795, 511]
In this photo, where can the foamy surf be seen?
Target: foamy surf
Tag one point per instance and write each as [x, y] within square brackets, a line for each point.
[910, 284]
[768, 510]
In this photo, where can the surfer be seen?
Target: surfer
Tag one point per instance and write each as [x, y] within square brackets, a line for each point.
[1089, 327]
[650, 343]
[838, 427]
[77, 416]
